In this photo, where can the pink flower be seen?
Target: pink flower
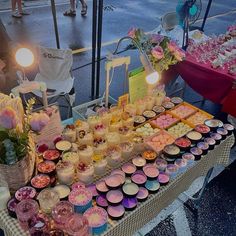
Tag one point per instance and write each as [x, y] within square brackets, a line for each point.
[156, 38]
[38, 121]
[172, 46]
[157, 52]
[8, 118]
[179, 54]
[132, 32]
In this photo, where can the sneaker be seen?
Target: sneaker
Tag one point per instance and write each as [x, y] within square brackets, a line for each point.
[16, 14]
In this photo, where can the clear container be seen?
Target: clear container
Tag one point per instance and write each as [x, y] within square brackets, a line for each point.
[65, 172]
[77, 225]
[86, 175]
[26, 210]
[48, 198]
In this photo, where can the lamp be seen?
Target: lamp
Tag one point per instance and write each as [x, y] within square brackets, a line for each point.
[25, 58]
[152, 76]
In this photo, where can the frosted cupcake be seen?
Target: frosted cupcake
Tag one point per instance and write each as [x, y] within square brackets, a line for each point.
[69, 133]
[140, 107]
[85, 138]
[100, 130]
[127, 120]
[130, 109]
[113, 138]
[85, 173]
[81, 125]
[113, 156]
[126, 150]
[125, 134]
[150, 102]
[93, 121]
[99, 145]
[85, 154]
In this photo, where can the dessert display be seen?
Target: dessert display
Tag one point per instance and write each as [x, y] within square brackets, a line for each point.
[93, 121]
[172, 170]
[85, 173]
[130, 203]
[223, 132]
[198, 118]
[72, 157]
[40, 181]
[99, 145]
[194, 136]
[100, 130]
[69, 133]
[139, 178]
[179, 129]
[126, 150]
[152, 186]
[48, 198]
[65, 172]
[150, 171]
[26, 192]
[130, 189]
[158, 109]
[51, 155]
[63, 145]
[97, 218]
[81, 199]
[203, 129]
[113, 156]
[85, 138]
[116, 212]
[114, 197]
[163, 178]
[128, 168]
[168, 105]
[81, 125]
[113, 138]
[149, 155]
[160, 140]
[211, 142]
[138, 120]
[213, 123]
[176, 100]
[85, 153]
[125, 134]
[189, 157]
[161, 164]
[63, 191]
[142, 194]
[197, 152]
[164, 121]
[183, 143]
[183, 111]
[146, 130]
[171, 151]
[102, 201]
[149, 114]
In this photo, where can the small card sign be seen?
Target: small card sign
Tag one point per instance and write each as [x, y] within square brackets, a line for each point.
[52, 130]
[123, 100]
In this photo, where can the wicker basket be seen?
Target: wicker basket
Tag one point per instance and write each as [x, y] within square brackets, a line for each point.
[20, 173]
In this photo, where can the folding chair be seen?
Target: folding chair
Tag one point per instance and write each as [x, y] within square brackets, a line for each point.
[55, 71]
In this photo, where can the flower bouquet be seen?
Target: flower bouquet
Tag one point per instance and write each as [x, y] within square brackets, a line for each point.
[17, 151]
[161, 51]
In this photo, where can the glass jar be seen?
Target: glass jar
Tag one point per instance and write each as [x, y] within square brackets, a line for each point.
[77, 225]
[26, 210]
[65, 172]
[48, 198]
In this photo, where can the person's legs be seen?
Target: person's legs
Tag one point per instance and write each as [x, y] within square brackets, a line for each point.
[84, 7]
[72, 11]
[19, 6]
[15, 13]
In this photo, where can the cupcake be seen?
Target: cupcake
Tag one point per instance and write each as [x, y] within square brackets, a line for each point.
[85, 137]
[113, 156]
[113, 138]
[99, 146]
[85, 153]
[126, 150]
[69, 133]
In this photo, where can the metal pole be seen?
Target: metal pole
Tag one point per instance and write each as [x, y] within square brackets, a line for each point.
[99, 45]
[94, 39]
[54, 14]
[206, 14]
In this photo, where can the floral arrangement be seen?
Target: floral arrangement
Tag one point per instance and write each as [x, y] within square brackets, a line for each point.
[14, 137]
[162, 51]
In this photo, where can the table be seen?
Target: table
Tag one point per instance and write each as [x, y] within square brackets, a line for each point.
[213, 84]
[132, 221]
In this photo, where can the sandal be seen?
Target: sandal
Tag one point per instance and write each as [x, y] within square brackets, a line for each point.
[69, 13]
[16, 14]
[84, 10]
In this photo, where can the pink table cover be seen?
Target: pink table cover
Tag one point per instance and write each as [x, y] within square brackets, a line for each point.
[213, 84]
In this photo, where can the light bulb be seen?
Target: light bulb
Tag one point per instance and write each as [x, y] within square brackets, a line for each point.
[152, 78]
[24, 57]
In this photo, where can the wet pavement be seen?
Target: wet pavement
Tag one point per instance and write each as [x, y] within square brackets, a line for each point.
[218, 210]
